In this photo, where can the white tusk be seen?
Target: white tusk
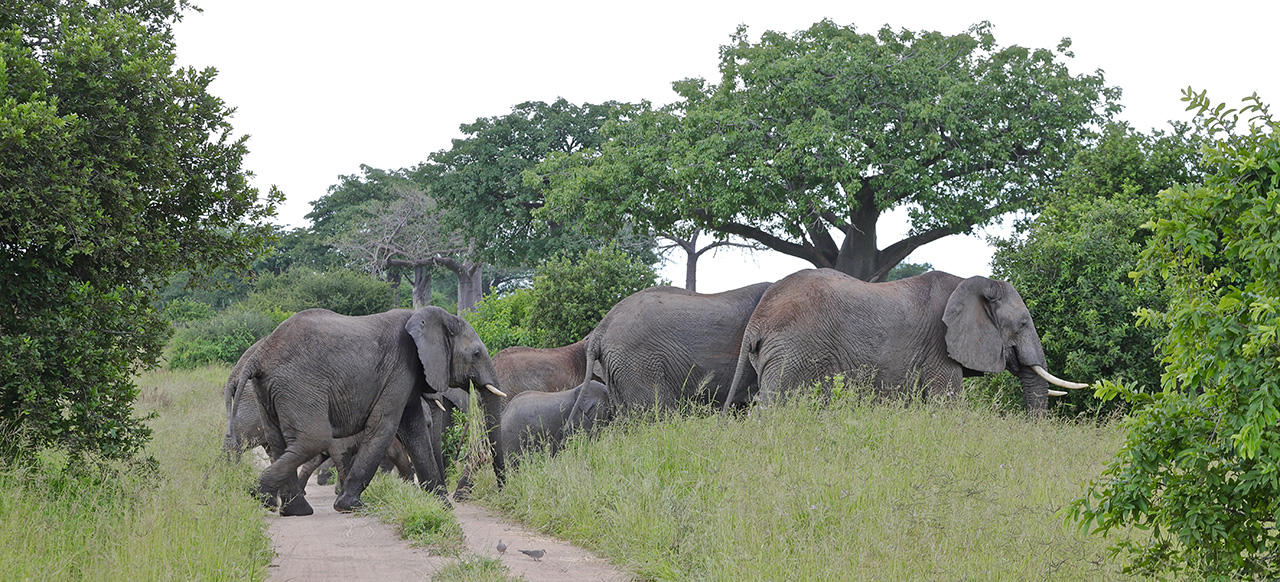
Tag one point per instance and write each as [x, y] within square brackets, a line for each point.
[494, 389]
[438, 403]
[1050, 378]
[1056, 393]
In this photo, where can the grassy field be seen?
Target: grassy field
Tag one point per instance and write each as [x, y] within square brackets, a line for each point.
[851, 491]
[854, 491]
[187, 518]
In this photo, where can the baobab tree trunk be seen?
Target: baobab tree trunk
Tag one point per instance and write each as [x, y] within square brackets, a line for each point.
[393, 281]
[470, 287]
[421, 286]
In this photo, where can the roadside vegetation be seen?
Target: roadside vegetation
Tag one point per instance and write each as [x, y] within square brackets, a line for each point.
[181, 512]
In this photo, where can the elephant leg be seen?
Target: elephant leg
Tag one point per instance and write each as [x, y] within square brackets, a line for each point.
[418, 436]
[280, 479]
[399, 458]
[364, 463]
[311, 466]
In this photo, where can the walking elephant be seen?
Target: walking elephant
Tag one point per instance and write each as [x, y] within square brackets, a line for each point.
[534, 420]
[322, 376]
[924, 332]
[664, 346]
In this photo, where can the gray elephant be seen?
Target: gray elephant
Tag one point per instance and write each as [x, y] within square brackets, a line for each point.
[665, 347]
[245, 431]
[321, 376]
[534, 420]
[524, 369]
[924, 333]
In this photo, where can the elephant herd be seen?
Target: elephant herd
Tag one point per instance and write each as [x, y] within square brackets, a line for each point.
[360, 389]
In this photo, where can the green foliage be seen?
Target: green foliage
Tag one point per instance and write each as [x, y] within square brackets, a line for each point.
[499, 320]
[340, 290]
[117, 169]
[221, 339]
[905, 269]
[571, 294]
[1200, 462]
[181, 514]
[1072, 263]
[183, 309]
[480, 179]
[823, 130]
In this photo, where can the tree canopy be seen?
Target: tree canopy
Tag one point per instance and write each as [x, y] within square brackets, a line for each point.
[117, 169]
[810, 137]
[479, 178]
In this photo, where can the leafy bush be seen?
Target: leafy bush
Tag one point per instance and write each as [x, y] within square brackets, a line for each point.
[499, 320]
[1199, 464]
[184, 309]
[342, 291]
[222, 338]
[571, 294]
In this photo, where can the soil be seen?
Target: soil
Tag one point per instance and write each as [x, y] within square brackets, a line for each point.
[336, 546]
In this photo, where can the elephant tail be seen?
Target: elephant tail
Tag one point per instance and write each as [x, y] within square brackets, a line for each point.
[744, 376]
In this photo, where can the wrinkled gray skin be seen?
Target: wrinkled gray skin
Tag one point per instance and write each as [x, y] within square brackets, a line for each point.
[523, 369]
[664, 346]
[322, 376]
[925, 332]
[534, 420]
[244, 430]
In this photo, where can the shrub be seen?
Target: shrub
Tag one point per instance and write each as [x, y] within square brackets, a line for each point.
[222, 338]
[184, 309]
[342, 291]
[571, 294]
[499, 320]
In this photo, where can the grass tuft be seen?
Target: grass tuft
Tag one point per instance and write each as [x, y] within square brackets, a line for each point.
[419, 517]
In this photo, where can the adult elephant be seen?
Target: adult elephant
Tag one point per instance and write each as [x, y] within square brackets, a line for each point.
[322, 376]
[924, 332]
[664, 346]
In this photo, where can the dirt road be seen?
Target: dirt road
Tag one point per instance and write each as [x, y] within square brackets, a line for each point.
[334, 546]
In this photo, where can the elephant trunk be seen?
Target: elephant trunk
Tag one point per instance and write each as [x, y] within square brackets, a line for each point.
[1035, 390]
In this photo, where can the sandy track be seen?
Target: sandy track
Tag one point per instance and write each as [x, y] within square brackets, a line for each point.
[334, 546]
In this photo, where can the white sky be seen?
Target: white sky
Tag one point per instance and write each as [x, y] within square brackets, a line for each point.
[322, 87]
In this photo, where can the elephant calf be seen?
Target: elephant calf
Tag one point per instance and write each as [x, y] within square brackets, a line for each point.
[533, 420]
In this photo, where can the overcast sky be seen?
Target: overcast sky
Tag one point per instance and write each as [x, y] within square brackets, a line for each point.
[322, 87]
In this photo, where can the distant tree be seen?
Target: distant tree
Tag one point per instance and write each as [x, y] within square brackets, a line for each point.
[117, 170]
[1199, 464]
[822, 131]
[479, 180]
[689, 244]
[1073, 261]
[904, 270]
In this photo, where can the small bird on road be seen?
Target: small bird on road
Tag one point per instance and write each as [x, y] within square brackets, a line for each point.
[502, 548]
[535, 554]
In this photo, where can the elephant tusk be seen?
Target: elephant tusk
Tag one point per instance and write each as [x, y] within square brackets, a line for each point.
[1056, 393]
[438, 403]
[1050, 378]
[494, 389]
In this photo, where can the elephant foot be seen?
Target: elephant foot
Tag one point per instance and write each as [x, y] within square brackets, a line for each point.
[296, 506]
[346, 504]
[462, 494]
[268, 499]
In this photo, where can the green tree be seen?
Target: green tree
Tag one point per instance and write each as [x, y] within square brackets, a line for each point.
[810, 137]
[904, 270]
[1073, 261]
[117, 169]
[571, 294]
[1200, 463]
[479, 178]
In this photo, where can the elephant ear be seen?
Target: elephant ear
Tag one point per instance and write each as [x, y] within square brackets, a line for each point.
[430, 332]
[973, 339]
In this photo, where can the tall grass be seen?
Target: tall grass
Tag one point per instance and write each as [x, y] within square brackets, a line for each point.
[187, 516]
[852, 491]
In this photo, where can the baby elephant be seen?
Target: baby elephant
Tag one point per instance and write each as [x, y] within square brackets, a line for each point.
[533, 420]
